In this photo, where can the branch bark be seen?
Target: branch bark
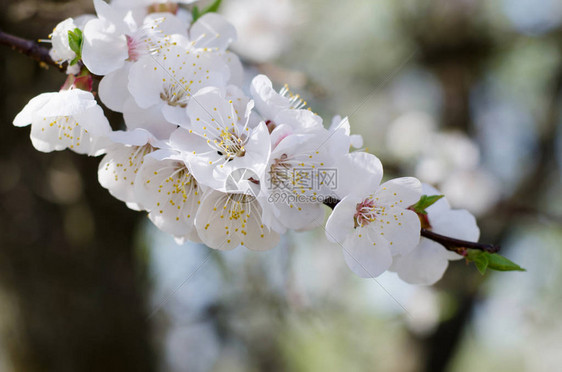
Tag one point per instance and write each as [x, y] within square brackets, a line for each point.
[30, 48]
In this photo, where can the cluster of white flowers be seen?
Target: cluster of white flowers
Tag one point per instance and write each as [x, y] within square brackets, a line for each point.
[212, 163]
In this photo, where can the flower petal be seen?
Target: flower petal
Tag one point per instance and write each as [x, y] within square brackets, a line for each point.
[366, 259]
[167, 190]
[359, 173]
[213, 31]
[402, 192]
[425, 265]
[340, 223]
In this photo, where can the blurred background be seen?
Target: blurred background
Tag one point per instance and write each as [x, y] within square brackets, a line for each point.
[463, 94]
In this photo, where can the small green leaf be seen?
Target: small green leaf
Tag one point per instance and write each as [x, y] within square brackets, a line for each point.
[74, 61]
[493, 261]
[479, 258]
[195, 13]
[425, 202]
[75, 41]
[500, 263]
[213, 8]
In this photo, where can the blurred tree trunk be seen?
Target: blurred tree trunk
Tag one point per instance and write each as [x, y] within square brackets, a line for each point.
[456, 49]
[71, 295]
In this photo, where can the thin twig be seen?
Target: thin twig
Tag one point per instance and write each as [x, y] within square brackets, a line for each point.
[31, 49]
[453, 244]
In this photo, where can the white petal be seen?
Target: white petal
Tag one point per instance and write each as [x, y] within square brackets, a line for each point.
[239, 100]
[224, 224]
[175, 115]
[25, 116]
[67, 103]
[188, 143]
[210, 227]
[301, 216]
[236, 68]
[104, 49]
[455, 223]
[268, 102]
[400, 227]
[171, 195]
[424, 265]
[209, 112]
[299, 120]
[146, 78]
[166, 24]
[109, 13]
[213, 31]
[135, 137]
[359, 173]
[366, 259]
[402, 192]
[118, 169]
[150, 119]
[341, 224]
[55, 134]
[258, 148]
[113, 90]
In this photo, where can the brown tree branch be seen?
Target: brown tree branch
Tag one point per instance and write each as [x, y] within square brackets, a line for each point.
[453, 244]
[31, 49]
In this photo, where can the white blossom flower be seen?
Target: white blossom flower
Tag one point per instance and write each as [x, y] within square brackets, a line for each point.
[61, 51]
[66, 119]
[219, 139]
[284, 107]
[427, 263]
[170, 78]
[165, 187]
[372, 222]
[300, 175]
[114, 37]
[119, 167]
[225, 221]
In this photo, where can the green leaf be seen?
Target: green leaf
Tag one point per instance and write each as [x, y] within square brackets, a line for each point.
[500, 263]
[493, 261]
[479, 258]
[213, 8]
[425, 202]
[75, 42]
[195, 13]
[74, 61]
